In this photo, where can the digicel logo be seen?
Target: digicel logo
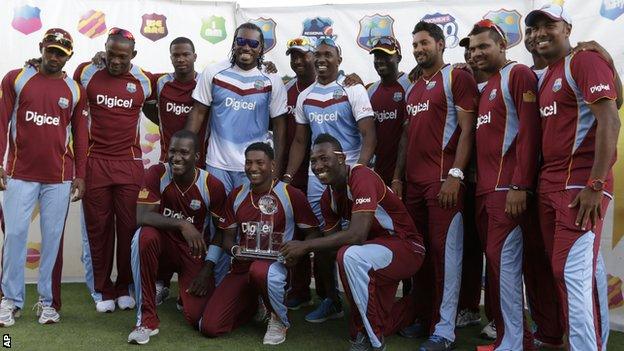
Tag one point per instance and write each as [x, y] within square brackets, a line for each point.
[362, 200]
[114, 101]
[600, 87]
[549, 110]
[177, 215]
[484, 119]
[385, 115]
[323, 117]
[42, 119]
[240, 104]
[177, 109]
[413, 110]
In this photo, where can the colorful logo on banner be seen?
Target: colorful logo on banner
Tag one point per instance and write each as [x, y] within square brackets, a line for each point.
[612, 9]
[150, 143]
[33, 255]
[26, 19]
[213, 29]
[92, 23]
[318, 27]
[154, 26]
[267, 25]
[509, 21]
[449, 26]
[373, 27]
[614, 291]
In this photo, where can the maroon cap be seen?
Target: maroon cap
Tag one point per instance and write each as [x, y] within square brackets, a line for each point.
[58, 38]
[389, 45]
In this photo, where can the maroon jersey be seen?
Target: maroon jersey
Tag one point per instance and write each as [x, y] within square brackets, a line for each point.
[203, 200]
[507, 136]
[568, 125]
[174, 104]
[366, 192]
[293, 209]
[48, 118]
[388, 102]
[300, 178]
[115, 103]
[433, 129]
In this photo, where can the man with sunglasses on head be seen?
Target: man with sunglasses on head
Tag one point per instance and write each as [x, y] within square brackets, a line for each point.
[116, 93]
[327, 106]
[41, 110]
[438, 139]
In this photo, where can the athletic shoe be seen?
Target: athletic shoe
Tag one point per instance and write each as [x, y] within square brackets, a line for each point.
[125, 302]
[467, 318]
[360, 343]
[489, 331]
[105, 306]
[437, 343]
[276, 331]
[416, 330]
[141, 335]
[262, 314]
[542, 344]
[328, 309]
[8, 312]
[296, 303]
[162, 293]
[46, 314]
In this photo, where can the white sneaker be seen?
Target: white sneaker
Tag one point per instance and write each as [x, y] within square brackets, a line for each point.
[141, 335]
[105, 306]
[489, 331]
[8, 312]
[47, 314]
[125, 302]
[162, 293]
[276, 331]
[466, 318]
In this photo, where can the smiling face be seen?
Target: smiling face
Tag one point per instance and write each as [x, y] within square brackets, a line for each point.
[246, 55]
[182, 156]
[258, 168]
[427, 51]
[326, 163]
[485, 52]
[385, 64]
[551, 39]
[327, 60]
[119, 53]
[182, 58]
[302, 63]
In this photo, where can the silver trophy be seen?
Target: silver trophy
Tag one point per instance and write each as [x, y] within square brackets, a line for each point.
[260, 241]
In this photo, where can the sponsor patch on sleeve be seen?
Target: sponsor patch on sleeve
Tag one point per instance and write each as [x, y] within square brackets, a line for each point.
[528, 96]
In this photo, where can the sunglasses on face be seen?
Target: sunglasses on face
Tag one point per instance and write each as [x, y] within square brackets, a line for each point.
[252, 43]
[298, 42]
[119, 31]
[487, 23]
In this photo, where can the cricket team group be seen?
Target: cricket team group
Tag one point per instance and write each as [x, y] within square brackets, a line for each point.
[411, 179]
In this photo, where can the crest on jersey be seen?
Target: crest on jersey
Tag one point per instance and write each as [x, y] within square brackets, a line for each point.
[449, 26]
[154, 26]
[258, 84]
[431, 85]
[131, 87]
[318, 27]
[492, 94]
[213, 29]
[509, 21]
[337, 94]
[267, 25]
[63, 102]
[557, 85]
[26, 19]
[195, 204]
[373, 27]
[611, 9]
[92, 23]
[398, 96]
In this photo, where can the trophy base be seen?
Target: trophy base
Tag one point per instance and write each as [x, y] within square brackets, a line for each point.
[263, 255]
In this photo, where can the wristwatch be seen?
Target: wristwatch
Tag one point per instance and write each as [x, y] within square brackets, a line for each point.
[596, 184]
[456, 173]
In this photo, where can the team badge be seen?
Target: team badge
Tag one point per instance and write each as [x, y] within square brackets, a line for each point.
[611, 9]
[492, 94]
[63, 102]
[318, 27]
[258, 85]
[195, 204]
[557, 85]
[398, 96]
[431, 85]
[509, 21]
[529, 96]
[267, 25]
[373, 27]
[85, 113]
[213, 29]
[154, 26]
[131, 87]
[26, 19]
[337, 94]
[143, 194]
[449, 26]
[92, 23]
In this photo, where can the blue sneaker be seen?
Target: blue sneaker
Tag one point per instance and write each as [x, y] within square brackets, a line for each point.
[328, 309]
[416, 330]
[437, 343]
[296, 303]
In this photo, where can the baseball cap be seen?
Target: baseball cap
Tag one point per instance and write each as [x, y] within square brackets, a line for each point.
[552, 11]
[58, 38]
[303, 44]
[389, 45]
[465, 42]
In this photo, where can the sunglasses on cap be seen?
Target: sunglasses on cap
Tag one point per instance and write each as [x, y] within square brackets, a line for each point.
[122, 32]
[251, 42]
[488, 23]
[327, 41]
[386, 44]
[385, 41]
[56, 38]
[301, 41]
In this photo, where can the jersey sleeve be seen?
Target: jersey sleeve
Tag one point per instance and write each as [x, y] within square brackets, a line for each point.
[7, 104]
[78, 72]
[331, 218]
[279, 100]
[360, 103]
[228, 220]
[150, 190]
[594, 77]
[304, 216]
[300, 117]
[364, 190]
[80, 133]
[218, 198]
[154, 78]
[203, 89]
[464, 88]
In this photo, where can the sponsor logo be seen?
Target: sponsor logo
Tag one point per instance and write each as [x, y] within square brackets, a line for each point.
[177, 109]
[492, 95]
[213, 29]
[362, 200]
[385, 115]
[398, 96]
[290, 109]
[195, 204]
[557, 85]
[318, 27]
[431, 85]
[323, 117]
[413, 110]
[373, 27]
[167, 212]
[114, 101]
[612, 9]
[92, 24]
[484, 119]
[85, 113]
[549, 110]
[449, 27]
[240, 104]
[131, 87]
[255, 227]
[63, 102]
[509, 21]
[600, 87]
[154, 26]
[26, 19]
[40, 120]
[267, 25]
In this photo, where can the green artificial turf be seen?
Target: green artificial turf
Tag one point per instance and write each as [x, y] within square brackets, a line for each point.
[81, 328]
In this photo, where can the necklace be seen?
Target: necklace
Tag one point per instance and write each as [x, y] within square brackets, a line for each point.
[189, 187]
[433, 75]
[251, 195]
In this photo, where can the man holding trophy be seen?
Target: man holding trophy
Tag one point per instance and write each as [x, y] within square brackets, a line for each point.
[265, 213]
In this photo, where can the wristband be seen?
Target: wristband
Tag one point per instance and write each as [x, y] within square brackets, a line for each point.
[214, 253]
[287, 175]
